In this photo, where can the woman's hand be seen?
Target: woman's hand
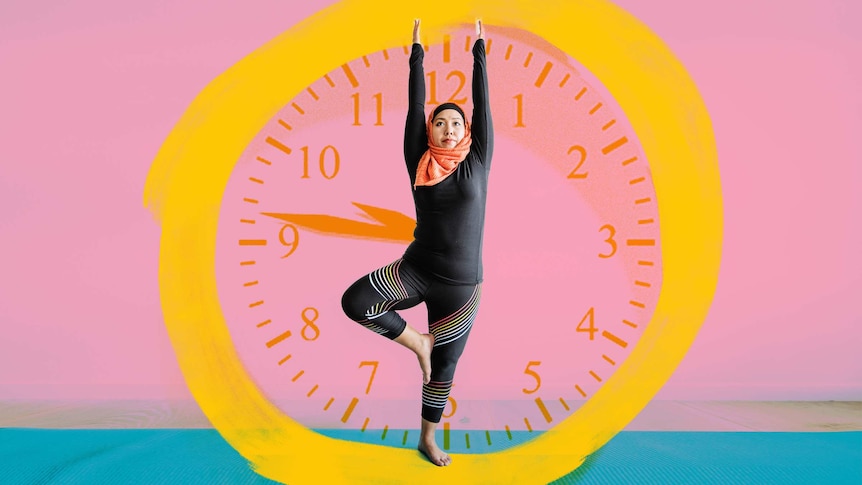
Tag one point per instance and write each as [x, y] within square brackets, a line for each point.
[480, 30]
[416, 31]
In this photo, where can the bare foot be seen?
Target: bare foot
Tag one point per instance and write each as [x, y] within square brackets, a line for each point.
[435, 455]
[424, 355]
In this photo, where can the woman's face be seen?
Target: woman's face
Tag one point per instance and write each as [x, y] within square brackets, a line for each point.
[447, 128]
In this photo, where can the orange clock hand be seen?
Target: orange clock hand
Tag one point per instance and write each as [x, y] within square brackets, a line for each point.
[394, 226]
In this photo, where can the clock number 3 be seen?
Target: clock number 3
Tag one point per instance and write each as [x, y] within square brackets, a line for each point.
[327, 174]
[534, 375]
[610, 240]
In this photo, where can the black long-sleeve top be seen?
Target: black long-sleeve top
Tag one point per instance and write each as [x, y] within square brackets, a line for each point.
[450, 216]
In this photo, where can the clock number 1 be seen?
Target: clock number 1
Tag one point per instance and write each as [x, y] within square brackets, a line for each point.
[378, 98]
[374, 364]
[534, 375]
[329, 175]
[432, 87]
[519, 111]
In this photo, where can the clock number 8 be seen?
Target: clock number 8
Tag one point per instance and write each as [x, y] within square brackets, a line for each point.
[322, 159]
[309, 324]
[432, 87]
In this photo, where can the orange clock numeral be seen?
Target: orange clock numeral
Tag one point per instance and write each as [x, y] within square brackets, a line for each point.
[535, 376]
[591, 329]
[378, 98]
[374, 364]
[432, 87]
[293, 243]
[574, 174]
[609, 240]
[322, 159]
[453, 406]
[519, 111]
[309, 324]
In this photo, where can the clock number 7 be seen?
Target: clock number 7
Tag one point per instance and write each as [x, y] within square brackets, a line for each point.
[372, 363]
[379, 103]
[534, 375]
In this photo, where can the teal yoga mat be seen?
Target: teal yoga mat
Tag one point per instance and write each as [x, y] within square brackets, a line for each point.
[200, 456]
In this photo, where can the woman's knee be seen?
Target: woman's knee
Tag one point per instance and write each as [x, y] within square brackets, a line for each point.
[353, 303]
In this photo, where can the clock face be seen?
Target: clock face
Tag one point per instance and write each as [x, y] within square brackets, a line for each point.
[321, 197]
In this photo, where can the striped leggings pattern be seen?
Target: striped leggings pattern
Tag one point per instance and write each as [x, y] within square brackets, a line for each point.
[387, 283]
[457, 324]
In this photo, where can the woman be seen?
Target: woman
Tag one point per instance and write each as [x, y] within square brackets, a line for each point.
[448, 162]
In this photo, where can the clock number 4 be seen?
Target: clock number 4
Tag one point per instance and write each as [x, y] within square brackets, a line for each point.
[378, 100]
[328, 174]
[589, 319]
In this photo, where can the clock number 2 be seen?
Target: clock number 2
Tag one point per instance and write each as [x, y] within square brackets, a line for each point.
[432, 87]
[378, 98]
[534, 375]
[610, 240]
[373, 364]
[329, 175]
[582, 154]
[294, 239]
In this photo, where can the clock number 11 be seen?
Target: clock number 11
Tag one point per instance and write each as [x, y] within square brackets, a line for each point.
[378, 98]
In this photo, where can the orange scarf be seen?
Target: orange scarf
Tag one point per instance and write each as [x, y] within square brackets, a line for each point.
[437, 163]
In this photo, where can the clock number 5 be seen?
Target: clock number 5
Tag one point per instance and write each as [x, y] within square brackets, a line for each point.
[329, 175]
[373, 364]
[534, 375]
[610, 240]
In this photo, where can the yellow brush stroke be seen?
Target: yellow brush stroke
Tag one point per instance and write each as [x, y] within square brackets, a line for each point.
[185, 185]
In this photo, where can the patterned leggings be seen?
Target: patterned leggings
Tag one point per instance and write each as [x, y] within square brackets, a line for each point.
[371, 302]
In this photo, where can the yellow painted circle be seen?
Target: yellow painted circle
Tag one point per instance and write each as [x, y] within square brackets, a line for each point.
[186, 182]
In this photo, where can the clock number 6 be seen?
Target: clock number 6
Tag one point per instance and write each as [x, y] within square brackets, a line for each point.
[609, 240]
[372, 363]
[322, 159]
[294, 240]
[309, 324]
[534, 375]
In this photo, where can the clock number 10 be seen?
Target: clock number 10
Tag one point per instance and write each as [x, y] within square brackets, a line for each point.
[328, 174]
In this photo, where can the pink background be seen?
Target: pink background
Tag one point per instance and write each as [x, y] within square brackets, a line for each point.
[91, 88]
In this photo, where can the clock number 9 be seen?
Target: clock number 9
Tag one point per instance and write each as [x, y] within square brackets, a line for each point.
[534, 375]
[374, 364]
[379, 102]
[293, 243]
[609, 240]
[432, 87]
[322, 158]
[574, 174]
[309, 324]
